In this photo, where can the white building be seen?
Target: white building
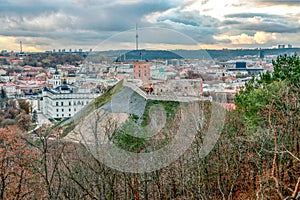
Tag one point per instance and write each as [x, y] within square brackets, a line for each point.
[125, 68]
[11, 89]
[65, 100]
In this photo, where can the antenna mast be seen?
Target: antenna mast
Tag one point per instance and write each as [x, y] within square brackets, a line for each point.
[21, 50]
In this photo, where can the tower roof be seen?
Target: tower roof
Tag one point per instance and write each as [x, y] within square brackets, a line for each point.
[56, 71]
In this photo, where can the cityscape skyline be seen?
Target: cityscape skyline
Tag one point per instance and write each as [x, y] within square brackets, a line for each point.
[190, 24]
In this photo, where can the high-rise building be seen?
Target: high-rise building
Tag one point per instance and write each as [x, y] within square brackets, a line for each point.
[261, 54]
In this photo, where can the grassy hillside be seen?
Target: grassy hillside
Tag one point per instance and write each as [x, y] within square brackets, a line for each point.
[95, 104]
[124, 136]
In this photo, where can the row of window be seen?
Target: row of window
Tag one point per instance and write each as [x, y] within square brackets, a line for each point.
[63, 115]
[141, 66]
[63, 110]
[141, 76]
[74, 103]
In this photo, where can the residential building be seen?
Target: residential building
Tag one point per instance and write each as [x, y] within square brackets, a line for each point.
[12, 90]
[141, 70]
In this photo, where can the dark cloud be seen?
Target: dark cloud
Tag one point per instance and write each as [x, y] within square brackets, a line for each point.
[87, 22]
[95, 20]
[200, 27]
[73, 22]
[272, 27]
[76, 15]
[26, 7]
[251, 15]
[191, 18]
[264, 22]
[231, 22]
[118, 17]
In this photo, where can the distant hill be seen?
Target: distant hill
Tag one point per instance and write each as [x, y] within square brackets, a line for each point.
[226, 54]
[132, 55]
[138, 55]
[223, 54]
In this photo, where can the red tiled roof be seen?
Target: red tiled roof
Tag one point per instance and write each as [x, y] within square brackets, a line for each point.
[229, 106]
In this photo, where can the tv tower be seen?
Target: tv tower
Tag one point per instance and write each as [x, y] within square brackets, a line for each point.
[136, 37]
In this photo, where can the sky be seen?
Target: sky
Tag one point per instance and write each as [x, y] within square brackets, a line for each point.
[162, 24]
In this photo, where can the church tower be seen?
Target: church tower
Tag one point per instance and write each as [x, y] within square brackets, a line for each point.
[56, 79]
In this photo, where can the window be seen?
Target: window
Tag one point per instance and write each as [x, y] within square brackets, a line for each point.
[57, 115]
[62, 110]
[62, 103]
[62, 114]
[70, 103]
[69, 115]
[74, 109]
[56, 103]
[56, 110]
[69, 109]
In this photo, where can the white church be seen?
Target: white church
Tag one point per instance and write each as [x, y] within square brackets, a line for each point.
[63, 100]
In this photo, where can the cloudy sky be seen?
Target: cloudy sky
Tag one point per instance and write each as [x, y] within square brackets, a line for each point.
[163, 24]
